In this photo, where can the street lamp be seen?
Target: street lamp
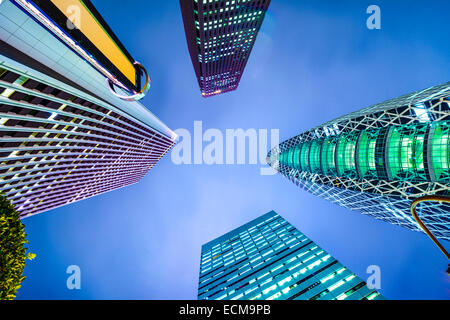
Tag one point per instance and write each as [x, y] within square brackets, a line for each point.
[424, 227]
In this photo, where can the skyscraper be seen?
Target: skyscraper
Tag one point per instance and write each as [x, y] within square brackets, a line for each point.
[268, 259]
[64, 136]
[220, 36]
[380, 159]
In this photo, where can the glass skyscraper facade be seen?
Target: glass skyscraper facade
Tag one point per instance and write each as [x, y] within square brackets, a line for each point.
[380, 159]
[220, 36]
[268, 259]
[63, 136]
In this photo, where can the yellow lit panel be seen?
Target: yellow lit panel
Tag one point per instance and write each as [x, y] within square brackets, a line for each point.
[94, 31]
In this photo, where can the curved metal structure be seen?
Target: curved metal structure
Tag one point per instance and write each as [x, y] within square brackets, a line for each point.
[93, 41]
[136, 95]
[75, 145]
[424, 227]
[378, 160]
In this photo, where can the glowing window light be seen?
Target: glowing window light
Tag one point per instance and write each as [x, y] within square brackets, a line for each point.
[349, 278]
[276, 295]
[263, 276]
[326, 258]
[336, 285]
[341, 297]
[422, 113]
[290, 260]
[372, 296]
[286, 280]
[340, 270]
[266, 291]
[266, 282]
[238, 297]
[275, 269]
[13, 154]
[315, 264]
[293, 267]
[52, 116]
[250, 290]
[331, 276]
[8, 92]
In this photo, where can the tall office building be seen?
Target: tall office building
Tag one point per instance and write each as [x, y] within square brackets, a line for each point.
[380, 159]
[220, 36]
[64, 136]
[268, 259]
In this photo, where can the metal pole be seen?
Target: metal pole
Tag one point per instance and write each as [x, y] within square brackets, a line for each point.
[424, 227]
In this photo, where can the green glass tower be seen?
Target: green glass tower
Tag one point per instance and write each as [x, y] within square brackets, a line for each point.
[380, 159]
[268, 259]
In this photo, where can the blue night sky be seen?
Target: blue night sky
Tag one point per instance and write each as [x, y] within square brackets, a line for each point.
[313, 61]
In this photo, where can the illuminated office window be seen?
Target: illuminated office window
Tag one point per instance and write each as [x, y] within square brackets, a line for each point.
[282, 264]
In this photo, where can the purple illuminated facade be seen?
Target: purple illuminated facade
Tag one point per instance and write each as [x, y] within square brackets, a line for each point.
[220, 36]
[57, 147]
[63, 136]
